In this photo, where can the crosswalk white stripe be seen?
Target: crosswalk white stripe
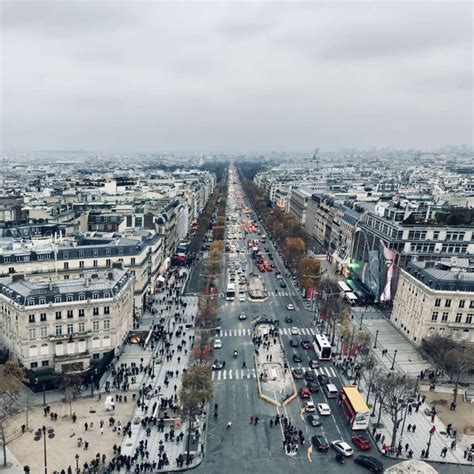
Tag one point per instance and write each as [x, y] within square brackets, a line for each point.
[284, 331]
[230, 374]
[254, 375]
[213, 375]
[242, 373]
[224, 374]
[313, 332]
[225, 333]
[249, 332]
[219, 375]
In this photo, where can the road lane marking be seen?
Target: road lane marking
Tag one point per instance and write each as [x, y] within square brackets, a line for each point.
[310, 453]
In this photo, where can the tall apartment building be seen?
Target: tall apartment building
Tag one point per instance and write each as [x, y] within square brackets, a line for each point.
[65, 324]
[436, 298]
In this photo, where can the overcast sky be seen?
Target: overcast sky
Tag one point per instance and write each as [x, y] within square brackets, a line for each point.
[151, 76]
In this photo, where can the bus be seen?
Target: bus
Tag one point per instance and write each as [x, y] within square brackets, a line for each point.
[344, 287]
[230, 294]
[350, 298]
[355, 410]
[322, 347]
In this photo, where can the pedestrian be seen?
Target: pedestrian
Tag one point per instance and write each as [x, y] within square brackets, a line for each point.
[432, 418]
[229, 425]
[374, 430]
[423, 454]
[444, 451]
[413, 428]
[409, 427]
[251, 420]
[86, 426]
[407, 446]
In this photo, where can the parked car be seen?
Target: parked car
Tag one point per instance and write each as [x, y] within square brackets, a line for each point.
[309, 406]
[323, 379]
[362, 442]
[304, 392]
[313, 419]
[320, 442]
[369, 462]
[297, 373]
[297, 358]
[342, 447]
[323, 409]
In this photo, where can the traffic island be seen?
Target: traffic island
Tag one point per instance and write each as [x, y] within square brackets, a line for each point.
[256, 289]
[274, 381]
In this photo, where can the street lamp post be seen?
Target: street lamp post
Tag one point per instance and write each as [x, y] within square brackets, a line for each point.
[153, 367]
[43, 389]
[428, 445]
[341, 347]
[376, 336]
[77, 463]
[393, 361]
[416, 385]
[50, 433]
[352, 340]
[361, 321]
[407, 403]
[93, 377]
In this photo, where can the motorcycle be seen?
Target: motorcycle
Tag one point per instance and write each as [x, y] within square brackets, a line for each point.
[235, 353]
[339, 458]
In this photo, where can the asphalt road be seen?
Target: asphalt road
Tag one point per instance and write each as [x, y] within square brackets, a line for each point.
[258, 449]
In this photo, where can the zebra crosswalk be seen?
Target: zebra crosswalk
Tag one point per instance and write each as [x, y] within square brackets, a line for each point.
[246, 374]
[282, 293]
[248, 332]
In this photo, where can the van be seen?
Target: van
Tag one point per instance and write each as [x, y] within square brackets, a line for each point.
[331, 391]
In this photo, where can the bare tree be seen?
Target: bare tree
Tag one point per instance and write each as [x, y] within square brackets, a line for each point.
[457, 363]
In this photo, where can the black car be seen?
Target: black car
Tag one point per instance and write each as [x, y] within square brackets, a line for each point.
[282, 284]
[270, 256]
[294, 343]
[320, 442]
[309, 376]
[288, 319]
[217, 364]
[323, 379]
[313, 387]
[370, 463]
[313, 420]
[297, 358]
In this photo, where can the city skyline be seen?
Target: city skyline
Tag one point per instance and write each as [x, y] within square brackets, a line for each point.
[235, 77]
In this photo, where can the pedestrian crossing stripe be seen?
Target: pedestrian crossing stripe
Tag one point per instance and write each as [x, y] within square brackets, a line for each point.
[283, 331]
[246, 374]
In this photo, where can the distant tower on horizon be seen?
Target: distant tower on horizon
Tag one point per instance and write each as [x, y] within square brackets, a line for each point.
[201, 160]
[316, 154]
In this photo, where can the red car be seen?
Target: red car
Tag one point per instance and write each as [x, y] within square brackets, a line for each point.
[362, 442]
[297, 373]
[305, 392]
[306, 344]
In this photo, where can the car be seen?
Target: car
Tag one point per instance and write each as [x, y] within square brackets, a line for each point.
[314, 364]
[290, 307]
[217, 344]
[313, 419]
[279, 277]
[218, 364]
[294, 331]
[362, 442]
[304, 392]
[242, 316]
[310, 376]
[288, 319]
[297, 357]
[369, 462]
[294, 343]
[320, 442]
[323, 379]
[342, 447]
[305, 344]
[309, 406]
[241, 298]
[323, 409]
[313, 387]
[282, 284]
[297, 373]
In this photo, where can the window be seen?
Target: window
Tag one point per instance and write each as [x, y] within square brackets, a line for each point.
[31, 318]
[70, 313]
[469, 318]
[58, 314]
[434, 316]
[95, 311]
[70, 329]
[66, 265]
[107, 252]
[81, 312]
[66, 277]
[81, 253]
[95, 325]
[42, 301]
[106, 324]
[108, 262]
[447, 304]
[106, 309]
[458, 317]
[65, 254]
[95, 253]
[59, 330]
[95, 264]
[82, 296]
[81, 264]
[43, 317]
[438, 302]
[44, 331]
[471, 304]
[82, 327]
[34, 365]
[461, 303]
[95, 296]
[44, 363]
[32, 333]
[444, 317]
[69, 298]
[132, 261]
[57, 299]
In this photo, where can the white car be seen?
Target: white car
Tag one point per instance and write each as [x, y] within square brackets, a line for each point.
[217, 344]
[279, 277]
[241, 298]
[309, 407]
[342, 447]
[294, 331]
[290, 307]
[323, 409]
[242, 316]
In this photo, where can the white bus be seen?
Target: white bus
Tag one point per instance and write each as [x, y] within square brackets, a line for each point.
[345, 288]
[322, 347]
[230, 294]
